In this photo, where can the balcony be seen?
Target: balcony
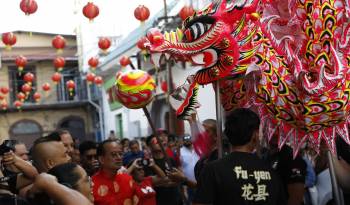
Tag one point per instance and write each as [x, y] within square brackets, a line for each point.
[59, 95]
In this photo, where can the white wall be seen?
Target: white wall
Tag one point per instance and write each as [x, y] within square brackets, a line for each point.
[206, 95]
[134, 121]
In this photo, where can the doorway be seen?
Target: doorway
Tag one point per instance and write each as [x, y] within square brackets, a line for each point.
[26, 131]
[75, 125]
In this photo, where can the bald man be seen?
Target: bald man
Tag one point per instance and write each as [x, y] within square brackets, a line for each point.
[48, 153]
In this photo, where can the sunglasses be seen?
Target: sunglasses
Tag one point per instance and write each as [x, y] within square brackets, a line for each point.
[187, 137]
[91, 157]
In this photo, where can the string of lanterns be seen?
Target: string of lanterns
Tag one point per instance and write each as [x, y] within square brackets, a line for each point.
[90, 11]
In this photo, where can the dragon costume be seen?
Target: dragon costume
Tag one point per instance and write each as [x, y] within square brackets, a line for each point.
[288, 60]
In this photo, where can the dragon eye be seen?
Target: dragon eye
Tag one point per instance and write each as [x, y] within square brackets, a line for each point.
[196, 31]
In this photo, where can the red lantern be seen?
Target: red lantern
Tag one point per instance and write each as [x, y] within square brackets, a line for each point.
[46, 87]
[90, 77]
[56, 77]
[186, 11]
[124, 61]
[141, 13]
[59, 63]
[2, 97]
[71, 86]
[26, 88]
[93, 62]
[164, 86]
[98, 80]
[37, 97]
[21, 62]
[28, 6]
[104, 43]
[4, 105]
[141, 44]
[9, 39]
[59, 43]
[21, 96]
[28, 78]
[155, 36]
[18, 104]
[90, 11]
[4, 90]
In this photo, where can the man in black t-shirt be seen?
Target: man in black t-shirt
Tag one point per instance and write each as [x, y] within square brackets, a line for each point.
[291, 171]
[240, 178]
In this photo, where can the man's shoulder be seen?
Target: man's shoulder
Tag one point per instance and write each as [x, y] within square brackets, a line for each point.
[239, 158]
[97, 175]
[128, 154]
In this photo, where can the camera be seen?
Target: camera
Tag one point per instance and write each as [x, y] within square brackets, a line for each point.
[144, 162]
[7, 146]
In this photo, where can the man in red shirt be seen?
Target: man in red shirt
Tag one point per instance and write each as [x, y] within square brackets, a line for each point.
[110, 188]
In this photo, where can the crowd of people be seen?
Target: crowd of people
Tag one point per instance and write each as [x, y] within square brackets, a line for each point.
[57, 170]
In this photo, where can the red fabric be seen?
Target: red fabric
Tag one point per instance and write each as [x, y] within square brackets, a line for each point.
[171, 154]
[145, 194]
[117, 191]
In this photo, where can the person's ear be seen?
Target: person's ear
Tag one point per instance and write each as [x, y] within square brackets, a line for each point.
[100, 159]
[50, 164]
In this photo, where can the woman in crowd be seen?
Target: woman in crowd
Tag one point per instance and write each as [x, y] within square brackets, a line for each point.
[144, 192]
[74, 177]
[65, 184]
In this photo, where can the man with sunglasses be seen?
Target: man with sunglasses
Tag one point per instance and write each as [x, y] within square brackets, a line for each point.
[88, 157]
[188, 159]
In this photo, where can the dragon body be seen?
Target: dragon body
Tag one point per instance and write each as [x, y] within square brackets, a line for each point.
[287, 60]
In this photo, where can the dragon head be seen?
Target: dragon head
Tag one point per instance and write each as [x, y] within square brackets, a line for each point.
[217, 38]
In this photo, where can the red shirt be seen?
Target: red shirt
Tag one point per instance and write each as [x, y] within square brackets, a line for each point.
[117, 191]
[144, 193]
[171, 154]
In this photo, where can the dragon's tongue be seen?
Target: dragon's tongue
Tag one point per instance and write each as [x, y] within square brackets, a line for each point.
[198, 59]
[206, 58]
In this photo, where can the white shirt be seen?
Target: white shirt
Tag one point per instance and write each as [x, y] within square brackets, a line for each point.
[188, 159]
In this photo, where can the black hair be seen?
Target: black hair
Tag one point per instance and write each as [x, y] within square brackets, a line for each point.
[54, 136]
[149, 139]
[87, 145]
[62, 132]
[66, 174]
[172, 137]
[101, 147]
[240, 126]
[132, 142]
[124, 140]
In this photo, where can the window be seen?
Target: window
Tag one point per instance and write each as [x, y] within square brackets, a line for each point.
[16, 82]
[71, 73]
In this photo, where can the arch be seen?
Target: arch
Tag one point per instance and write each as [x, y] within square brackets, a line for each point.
[75, 125]
[26, 131]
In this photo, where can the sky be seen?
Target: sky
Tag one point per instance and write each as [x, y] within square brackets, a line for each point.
[62, 16]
